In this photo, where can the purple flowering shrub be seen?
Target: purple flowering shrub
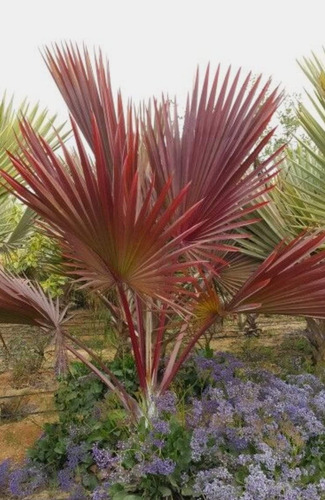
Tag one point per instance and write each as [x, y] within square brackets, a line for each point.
[248, 436]
[252, 432]
[228, 432]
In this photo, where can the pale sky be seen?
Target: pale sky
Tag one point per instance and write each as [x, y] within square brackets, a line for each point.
[155, 46]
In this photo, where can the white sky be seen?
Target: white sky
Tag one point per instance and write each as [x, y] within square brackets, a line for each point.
[155, 45]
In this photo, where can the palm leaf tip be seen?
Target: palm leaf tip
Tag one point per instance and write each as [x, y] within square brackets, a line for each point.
[22, 302]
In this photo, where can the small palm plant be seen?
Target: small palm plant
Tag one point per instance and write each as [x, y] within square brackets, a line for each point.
[150, 211]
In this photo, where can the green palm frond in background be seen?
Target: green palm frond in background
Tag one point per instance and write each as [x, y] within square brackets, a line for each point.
[41, 120]
[297, 202]
[23, 249]
[303, 176]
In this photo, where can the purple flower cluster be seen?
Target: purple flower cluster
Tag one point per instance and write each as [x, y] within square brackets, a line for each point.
[103, 458]
[160, 466]
[216, 484]
[166, 403]
[160, 426]
[76, 453]
[65, 479]
[25, 480]
[4, 473]
[100, 493]
[222, 367]
[259, 485]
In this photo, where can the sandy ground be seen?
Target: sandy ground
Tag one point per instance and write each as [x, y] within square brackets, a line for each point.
[17, 437]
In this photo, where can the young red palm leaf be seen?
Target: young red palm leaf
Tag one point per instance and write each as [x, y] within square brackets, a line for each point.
[112, 234]
[87, 93]
[21, 302]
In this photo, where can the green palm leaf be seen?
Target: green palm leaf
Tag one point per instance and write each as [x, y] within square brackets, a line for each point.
[45, 124]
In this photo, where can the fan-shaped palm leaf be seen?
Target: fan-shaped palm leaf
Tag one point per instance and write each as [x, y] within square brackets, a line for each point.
[109, 231]
[214, 153]
[290, 281]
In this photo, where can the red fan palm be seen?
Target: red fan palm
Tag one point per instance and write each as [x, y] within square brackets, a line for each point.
[133, 226]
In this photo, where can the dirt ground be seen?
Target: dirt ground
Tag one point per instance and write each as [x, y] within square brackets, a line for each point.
[17, 437]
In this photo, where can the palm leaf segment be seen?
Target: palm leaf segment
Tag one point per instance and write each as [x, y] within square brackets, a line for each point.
[291, 281]
[25, 303]
[22, 302]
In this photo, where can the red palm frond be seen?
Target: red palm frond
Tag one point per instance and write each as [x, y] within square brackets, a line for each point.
[290, 281]
[87, 93]
[22, 302]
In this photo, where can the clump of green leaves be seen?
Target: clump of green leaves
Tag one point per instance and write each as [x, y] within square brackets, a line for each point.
[87, 413]
[39, 258]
